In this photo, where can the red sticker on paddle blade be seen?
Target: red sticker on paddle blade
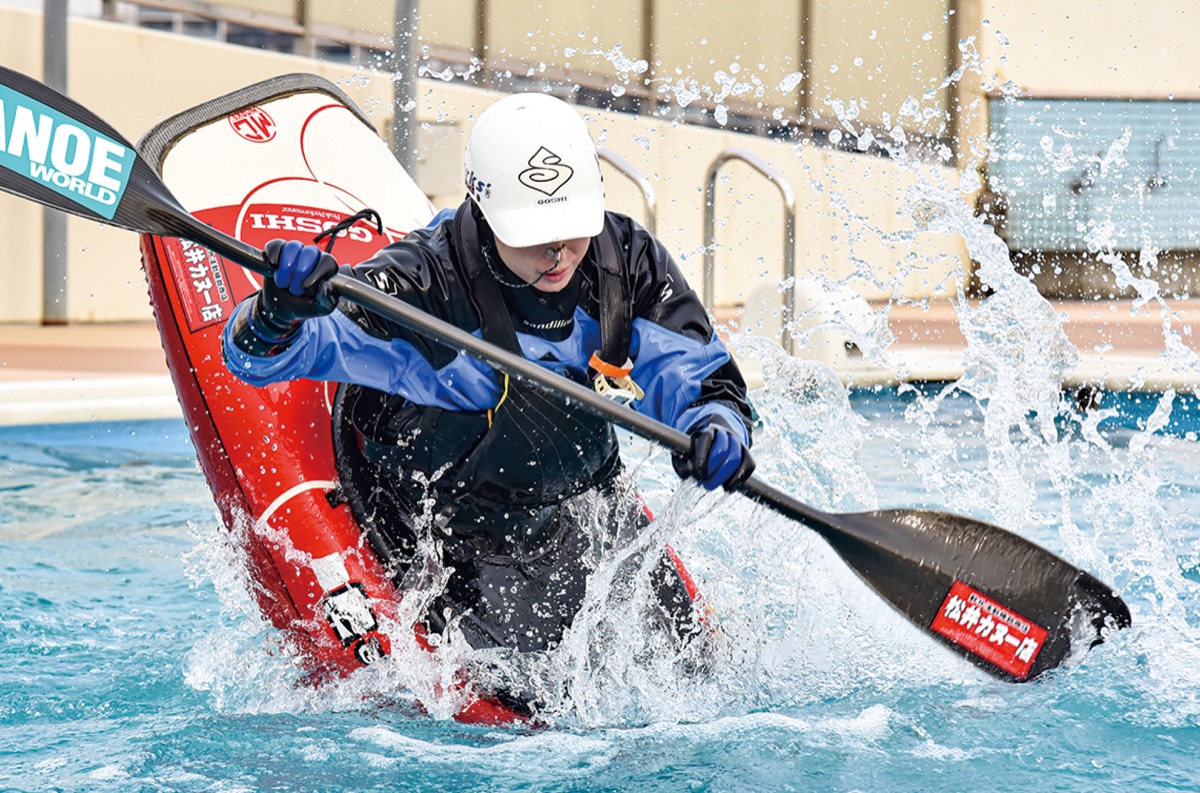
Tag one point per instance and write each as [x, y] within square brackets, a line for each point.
[996, 634]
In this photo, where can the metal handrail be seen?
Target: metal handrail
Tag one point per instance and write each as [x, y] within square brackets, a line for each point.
[638, 178]
[789, 231]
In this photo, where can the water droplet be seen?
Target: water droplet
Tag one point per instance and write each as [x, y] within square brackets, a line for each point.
[790, 82]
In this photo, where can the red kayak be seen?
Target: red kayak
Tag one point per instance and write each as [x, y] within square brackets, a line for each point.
[290, 157]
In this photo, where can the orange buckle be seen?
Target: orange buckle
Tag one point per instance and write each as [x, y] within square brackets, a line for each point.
[607, 369]
[614, 382]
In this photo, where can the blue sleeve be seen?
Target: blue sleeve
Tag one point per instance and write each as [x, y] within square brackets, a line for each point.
[441, 217]
[671, 368]
[335, 348]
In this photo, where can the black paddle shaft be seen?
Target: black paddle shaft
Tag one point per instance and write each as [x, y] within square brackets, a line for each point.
[951, 576]
[912, 558]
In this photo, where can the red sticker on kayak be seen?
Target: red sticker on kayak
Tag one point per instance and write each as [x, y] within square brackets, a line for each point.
[996, 634]
[254, 124]
[203, 289]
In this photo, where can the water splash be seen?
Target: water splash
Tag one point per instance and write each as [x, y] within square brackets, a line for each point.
[249, 667]
[1038, 445]
[794, 626]
[1050, 472]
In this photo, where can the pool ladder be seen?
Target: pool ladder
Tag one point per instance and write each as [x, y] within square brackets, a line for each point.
[789, 233]
[649, 200]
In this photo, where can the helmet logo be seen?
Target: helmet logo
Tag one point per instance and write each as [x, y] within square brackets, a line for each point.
[478, 188]
[546, 173]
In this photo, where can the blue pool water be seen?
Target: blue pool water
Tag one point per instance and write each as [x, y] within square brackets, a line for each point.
[129, 660]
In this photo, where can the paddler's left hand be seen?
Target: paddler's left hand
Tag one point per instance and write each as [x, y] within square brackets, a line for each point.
[718, 458]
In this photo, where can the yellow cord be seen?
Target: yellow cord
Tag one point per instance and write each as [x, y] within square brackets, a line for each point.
[503, 396]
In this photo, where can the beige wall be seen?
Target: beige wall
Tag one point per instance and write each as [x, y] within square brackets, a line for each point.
[1095, 48]
[846, 205]
[375, 17]
[278, 8]
[754, 43]
[555, 33]
[159, 75]
[707, 53]
[20, 221]
[879, 53]
[449, 23]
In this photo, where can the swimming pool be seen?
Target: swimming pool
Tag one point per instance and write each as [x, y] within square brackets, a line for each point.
[129, 661]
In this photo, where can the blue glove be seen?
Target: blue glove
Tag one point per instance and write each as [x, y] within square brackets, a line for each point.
[297, 291]
[718, 458]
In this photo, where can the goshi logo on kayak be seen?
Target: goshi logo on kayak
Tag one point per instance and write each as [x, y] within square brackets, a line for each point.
[70, 158]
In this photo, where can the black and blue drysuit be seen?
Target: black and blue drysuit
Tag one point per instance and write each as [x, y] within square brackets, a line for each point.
[524, 493]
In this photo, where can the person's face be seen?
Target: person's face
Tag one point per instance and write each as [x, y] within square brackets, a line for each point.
[537, 265]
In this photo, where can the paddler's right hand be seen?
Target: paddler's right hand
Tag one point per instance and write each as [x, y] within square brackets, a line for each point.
[717, 458]
[298, 290]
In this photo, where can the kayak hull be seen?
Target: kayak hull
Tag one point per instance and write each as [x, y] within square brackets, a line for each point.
[286, 158]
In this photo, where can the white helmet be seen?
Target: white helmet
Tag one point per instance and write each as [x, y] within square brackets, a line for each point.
[532, 169]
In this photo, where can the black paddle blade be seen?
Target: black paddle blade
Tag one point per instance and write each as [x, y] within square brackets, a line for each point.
[1008, 605]
[58, 153]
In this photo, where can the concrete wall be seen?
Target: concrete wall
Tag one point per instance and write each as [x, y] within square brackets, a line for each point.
[847, 203]
[1094, 48]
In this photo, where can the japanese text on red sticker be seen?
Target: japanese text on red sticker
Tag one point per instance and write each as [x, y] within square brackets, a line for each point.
[203, 290]
[989, 630]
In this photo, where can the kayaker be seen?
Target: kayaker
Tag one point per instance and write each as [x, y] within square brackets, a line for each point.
[524, 494]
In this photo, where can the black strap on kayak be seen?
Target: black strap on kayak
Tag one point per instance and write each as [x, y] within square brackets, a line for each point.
[337, 228]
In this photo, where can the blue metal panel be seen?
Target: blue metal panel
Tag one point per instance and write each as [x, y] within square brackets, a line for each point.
[1085, 174]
